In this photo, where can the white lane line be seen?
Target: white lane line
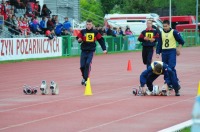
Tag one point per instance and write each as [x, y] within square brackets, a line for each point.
[63, 114]
[53, 101]
[128, 117]
[177, 127]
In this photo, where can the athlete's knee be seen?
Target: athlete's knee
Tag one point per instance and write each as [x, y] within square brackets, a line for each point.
[87, 65]
[82, 67]
[172, 65]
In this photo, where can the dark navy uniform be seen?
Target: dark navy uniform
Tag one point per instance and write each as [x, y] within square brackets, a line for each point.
[147, 50]
[149, 75]
[88, 47]
[167, 46]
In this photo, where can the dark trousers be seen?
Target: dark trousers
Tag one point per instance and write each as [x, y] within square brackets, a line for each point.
[171, 80]
[169, 58]
[147, 54]
[150, 79]
[85, 63]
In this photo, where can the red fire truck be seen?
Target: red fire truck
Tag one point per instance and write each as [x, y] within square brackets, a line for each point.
[181, 23]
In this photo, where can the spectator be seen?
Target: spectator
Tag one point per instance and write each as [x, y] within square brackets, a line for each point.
[109, 31]
[1, 25]
[43, 24]
[24, 27]
[15, 27]
[11, 12]
[67, 25]
[100, 30]
[14, 3]
[9, 23]
[58, 28]
[37, 9]
[45, 11]
[29, 11]
[50, 25]
[120, 31]
[103, 31]
[128, 32]
[50, 34]
[34, 26]
[23, 3]
[21, 18]
[65, 32]
[13, 9]
[25, 16]
[3, 9]
[114, 32]
[18, 4]
[54, 20]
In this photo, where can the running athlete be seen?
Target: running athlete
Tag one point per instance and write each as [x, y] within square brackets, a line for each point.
[167, 46]
[148, 38]
[87, 38]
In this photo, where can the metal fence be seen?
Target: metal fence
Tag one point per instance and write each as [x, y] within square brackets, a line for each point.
[113, 44]
[191, 37]
[120, 43]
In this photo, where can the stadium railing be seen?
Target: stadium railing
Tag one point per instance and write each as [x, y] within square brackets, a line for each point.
[119, 44]
[190, 38]
[114, 44]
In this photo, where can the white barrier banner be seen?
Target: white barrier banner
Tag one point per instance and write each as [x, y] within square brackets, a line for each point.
[24, 48]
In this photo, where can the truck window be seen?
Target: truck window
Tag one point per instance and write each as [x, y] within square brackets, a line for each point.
[178, 23]
[143, 21]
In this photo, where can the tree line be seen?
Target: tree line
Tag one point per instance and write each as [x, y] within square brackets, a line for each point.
[161, 7]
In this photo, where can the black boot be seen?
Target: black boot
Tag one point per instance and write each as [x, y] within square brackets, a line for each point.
[177, 93]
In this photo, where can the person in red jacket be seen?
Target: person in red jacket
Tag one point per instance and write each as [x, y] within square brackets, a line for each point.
[24, 27]
[3, 10]
[37, 9]
[88, 37]
[148, 37]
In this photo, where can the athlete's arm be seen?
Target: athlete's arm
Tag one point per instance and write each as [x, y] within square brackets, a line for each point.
[79, 37]
[178, 37]
[159, 46]
[143, 76]
[180, 40]
[155, 37]
[142, 37]
[101, 41]
[178, 50]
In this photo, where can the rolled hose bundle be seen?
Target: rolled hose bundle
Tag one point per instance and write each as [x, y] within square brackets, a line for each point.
[28, 90]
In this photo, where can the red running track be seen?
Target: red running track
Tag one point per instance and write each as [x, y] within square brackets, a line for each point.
[112, 108]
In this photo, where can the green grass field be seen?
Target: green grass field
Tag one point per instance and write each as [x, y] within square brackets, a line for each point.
[187, 129]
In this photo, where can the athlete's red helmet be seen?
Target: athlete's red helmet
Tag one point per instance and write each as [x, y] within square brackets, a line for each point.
[47, 33]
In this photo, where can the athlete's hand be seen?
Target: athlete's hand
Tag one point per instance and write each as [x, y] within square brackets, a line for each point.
[143, 90]
[146, 38]
[80, 40]
[178, 52]
[105, 51]
[157, 56]
[152, 40]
